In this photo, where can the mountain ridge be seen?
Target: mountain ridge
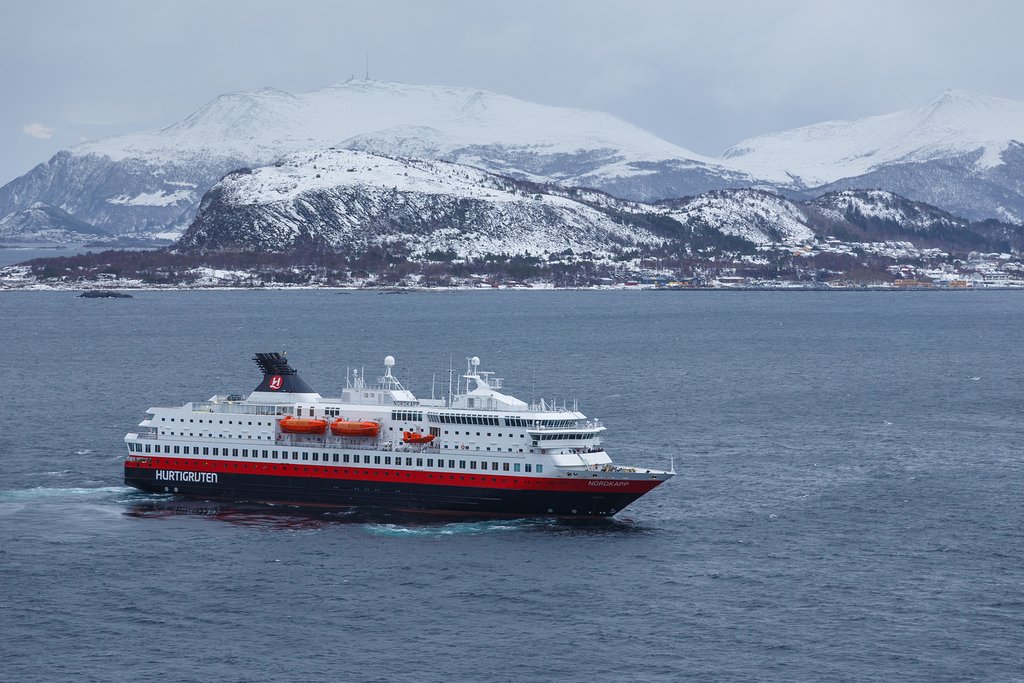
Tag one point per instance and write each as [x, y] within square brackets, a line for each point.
[959, 152]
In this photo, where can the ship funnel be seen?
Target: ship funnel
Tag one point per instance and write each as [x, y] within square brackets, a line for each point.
[278, 376]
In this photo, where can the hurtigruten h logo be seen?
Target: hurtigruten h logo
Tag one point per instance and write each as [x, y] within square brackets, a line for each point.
[198, 477]
[275, 382]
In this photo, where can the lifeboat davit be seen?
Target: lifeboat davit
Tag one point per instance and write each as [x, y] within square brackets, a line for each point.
[299, 425]
[353, 428]
[413, 437]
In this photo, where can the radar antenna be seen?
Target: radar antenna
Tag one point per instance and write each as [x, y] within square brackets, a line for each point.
[389, 381]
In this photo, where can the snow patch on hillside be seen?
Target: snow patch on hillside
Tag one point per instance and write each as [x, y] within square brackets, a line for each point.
[158, 198]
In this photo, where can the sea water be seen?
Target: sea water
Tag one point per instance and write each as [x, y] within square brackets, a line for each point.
[848, 504]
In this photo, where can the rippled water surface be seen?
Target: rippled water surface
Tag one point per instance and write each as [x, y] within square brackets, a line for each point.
[848, 505]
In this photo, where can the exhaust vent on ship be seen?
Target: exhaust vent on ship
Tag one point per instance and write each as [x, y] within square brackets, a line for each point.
[278, 376]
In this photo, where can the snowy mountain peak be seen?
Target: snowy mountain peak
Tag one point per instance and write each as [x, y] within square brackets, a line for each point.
[955, 98]
[259, 126]
[952, 98]
[974, 117]
[235, 110]
[954, 124]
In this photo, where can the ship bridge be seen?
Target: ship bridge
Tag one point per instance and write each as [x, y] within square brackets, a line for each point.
[482, 391]
[388, 391]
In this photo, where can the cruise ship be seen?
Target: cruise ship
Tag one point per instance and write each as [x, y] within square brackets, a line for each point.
[478, 451]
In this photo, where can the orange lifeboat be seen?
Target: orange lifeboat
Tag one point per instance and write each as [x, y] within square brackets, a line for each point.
[353, 428]
[413, 437]
[298, 425]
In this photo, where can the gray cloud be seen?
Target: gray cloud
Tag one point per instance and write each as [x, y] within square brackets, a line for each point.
[701, 74]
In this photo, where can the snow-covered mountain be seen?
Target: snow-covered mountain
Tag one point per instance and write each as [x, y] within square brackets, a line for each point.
[344, 199]
[350, 201]
[962, 152]
[44, 223]
[154, 180]
[130, 195]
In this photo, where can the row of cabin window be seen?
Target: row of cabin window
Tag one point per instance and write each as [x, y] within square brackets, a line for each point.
[406, 416]
[214, 436]
[230, 422]
[341, 458]
[509, 421]
[464, 419]
[432, 429]
[557, 437]
[553, 424]
[457, 433]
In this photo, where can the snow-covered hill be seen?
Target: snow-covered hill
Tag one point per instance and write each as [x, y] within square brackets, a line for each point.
[752, 215]
[344, 199]
[962, 152]
[885, 208]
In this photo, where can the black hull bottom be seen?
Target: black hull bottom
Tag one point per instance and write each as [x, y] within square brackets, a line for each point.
[317, 492]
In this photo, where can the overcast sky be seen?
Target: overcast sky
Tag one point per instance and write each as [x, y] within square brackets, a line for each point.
[703, 75]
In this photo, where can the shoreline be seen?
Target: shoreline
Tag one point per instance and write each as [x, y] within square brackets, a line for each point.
[538, 288]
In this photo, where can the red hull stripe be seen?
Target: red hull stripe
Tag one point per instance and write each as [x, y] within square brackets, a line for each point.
[348, 472]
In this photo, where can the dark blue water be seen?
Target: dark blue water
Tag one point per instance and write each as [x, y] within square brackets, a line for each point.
[849, 504]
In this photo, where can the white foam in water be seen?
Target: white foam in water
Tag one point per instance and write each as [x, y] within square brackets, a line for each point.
[48, 492]
[84, 451]
[453, 529]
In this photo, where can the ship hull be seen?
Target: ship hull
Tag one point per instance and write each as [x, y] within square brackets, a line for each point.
[477, 497]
